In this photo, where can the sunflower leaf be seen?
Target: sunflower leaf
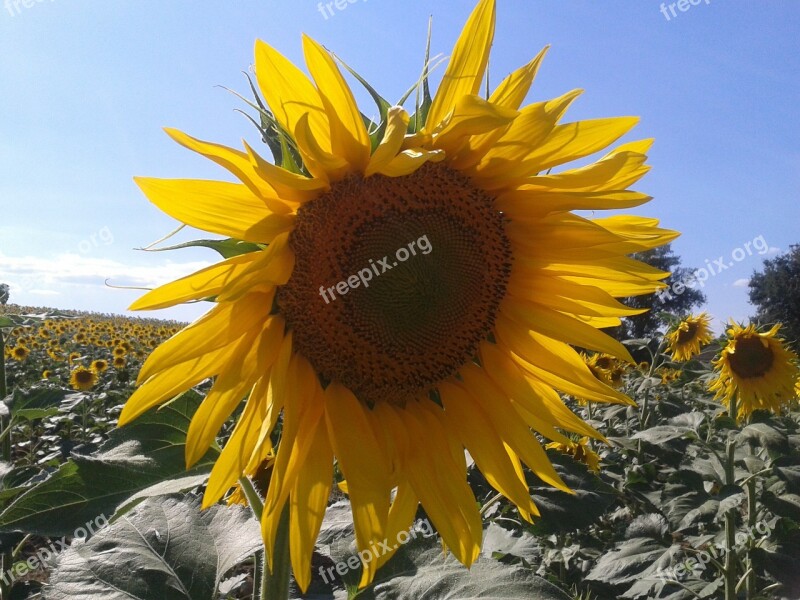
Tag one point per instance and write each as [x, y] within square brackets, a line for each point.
[165, 548]
[227, 248]
[147, 452]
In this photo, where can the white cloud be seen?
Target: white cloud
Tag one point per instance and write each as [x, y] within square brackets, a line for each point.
[52, 276]
[741, 283]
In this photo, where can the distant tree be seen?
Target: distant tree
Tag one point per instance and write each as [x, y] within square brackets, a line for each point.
[5, 292]
[775, 293]
[678, 298]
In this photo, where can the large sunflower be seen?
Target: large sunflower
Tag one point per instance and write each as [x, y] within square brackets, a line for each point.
[418, 290]
[688, 336]
[756, 369]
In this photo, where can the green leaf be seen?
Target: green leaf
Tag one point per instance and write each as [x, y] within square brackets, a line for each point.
[765, 435]
[14, 480]
[166, 548]
[35, 403]
[424, 573]
[227, 248]
[561, 512]
[633, 560]
[500, 543]
[148, 451]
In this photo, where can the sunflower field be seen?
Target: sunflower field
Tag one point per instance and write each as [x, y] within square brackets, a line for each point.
[405, 385]
[657, 489]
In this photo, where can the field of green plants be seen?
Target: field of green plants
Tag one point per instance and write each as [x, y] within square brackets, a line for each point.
[90, 511]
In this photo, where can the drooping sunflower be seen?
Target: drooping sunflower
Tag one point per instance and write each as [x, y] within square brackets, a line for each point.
[685, 340]
[755, 368]
[416, 290]
[580, 451]
[82, 379]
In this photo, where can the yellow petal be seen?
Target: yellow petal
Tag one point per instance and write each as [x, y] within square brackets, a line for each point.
[247, 366]
[528, 398]
[175, 380]
[197, 286]
[512, 90]
[321, 164]
[271, 267]
[492, 402]
[349, 138]
[555, 363]
[440, 483]
[238, 163]
[308, 502]
[401, 516]
[472, 115]
[467, 63]
[289, 185]
[228, 209]
[391, 144]
[290, 94]
[558, 326]
[475, 429]
[363, 465]
[231, 462]
[219, 327]
[575, 140]
[508, 155]
[409, 161]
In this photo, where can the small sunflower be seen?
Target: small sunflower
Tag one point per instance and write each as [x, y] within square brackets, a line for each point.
[580, 451]
[685, 340]
[119, 362]
[120, 351]
[20, 353]
[82, 379]
[756, 369]
[99, 366]
[46, 374]
[668, 375]
[418, 290]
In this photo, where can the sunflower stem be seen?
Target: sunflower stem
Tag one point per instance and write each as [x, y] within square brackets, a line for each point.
[253, 499]
[730, 516]
[752, 513]
[275, 583]
[5, 452]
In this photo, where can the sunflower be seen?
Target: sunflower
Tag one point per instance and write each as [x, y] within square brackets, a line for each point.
[99, 366]
[19, 353]
[755, 371]
[580, 451]
[685, 340]
[120, 352]
[119, 362]
[417, 289]
[82, 379]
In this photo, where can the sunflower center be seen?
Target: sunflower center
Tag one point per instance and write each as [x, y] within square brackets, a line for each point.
[687, 335]
[396, 280]
[752, 358]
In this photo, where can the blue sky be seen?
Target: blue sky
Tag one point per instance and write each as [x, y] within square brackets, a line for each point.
[87, 85]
